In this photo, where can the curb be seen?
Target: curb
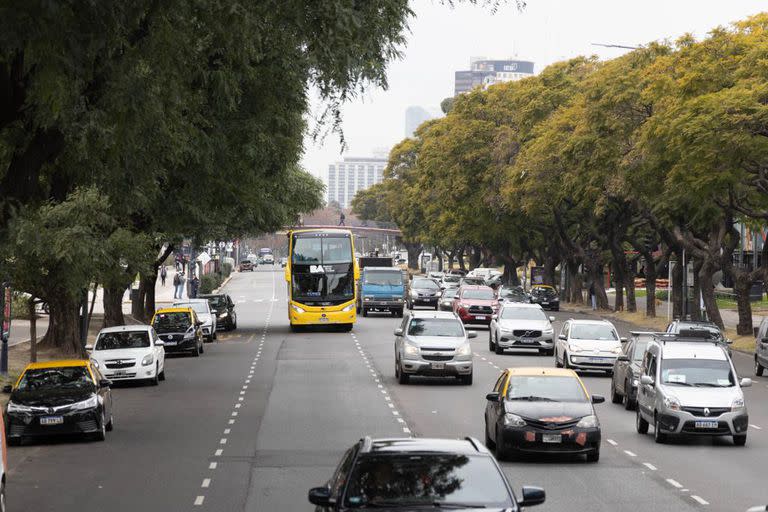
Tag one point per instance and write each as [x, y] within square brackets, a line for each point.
[226, 281]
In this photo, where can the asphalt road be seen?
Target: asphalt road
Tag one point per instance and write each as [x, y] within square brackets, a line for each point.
[265, 414]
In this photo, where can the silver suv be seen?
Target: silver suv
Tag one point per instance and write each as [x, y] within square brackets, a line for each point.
[433, 343]
[521, 326]
[690, 387]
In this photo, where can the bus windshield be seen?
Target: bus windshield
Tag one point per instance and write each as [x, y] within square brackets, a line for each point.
[322, 270]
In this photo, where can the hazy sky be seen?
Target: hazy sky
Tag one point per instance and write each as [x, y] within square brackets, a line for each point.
[443, 39]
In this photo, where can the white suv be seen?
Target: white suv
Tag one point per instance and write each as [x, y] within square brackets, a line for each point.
[588, 345]
[129, 352]
[520, 325]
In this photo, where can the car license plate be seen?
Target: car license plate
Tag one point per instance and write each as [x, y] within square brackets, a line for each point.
[119, 373]
[551, 438]
[545, 303]
[170, 343]
[52, 420]
[595, 359]
[705, 424]
[438, 366]
[527, 340]
[323, 318]
[480, 317]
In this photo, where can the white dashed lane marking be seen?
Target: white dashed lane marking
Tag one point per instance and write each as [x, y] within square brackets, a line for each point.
[612, 442]
[199, 500]
[699, 500]
[631, 454]
[650, 466]
[674, 483]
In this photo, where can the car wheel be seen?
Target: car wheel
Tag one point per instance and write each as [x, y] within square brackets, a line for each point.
[488, 442]
[365, 312]
[629, 404]
[558, 364]
[197, 351]
[740, 440]
[101, 435]
[111, 423]
[202, 347]
[437, 307]
[2, 497]
[154, 381]
[594, 455]
[402, 377]
[215, 335]
[466, 379]
[758, 368]
[616, 398]
[14, 441]
[658, 435]
[550, 351]
[162, 374]
[502, 453]
[491, 344]
[400, 313]
[565, 360]
[640, 424]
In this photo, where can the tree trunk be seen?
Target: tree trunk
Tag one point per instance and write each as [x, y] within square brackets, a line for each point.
[629, 282]
[705, 274]
[439, 255]
[64, 327]
[695, 305]
[550, 263]
[576, 285]
[741, 286]
[413, 255]
[149, 282]
[676, 289]
[475, 257]
[460, 258]
[450, 255]
[113, 306]
[618, 284]
[32, 331]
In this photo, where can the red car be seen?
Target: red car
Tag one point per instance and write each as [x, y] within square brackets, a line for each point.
[475, 304]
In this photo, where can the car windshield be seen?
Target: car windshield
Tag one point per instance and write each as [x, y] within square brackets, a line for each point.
[201, 308]
[426, 479]
[478, 294]
[697, 372]
[639, 352]
[450, 293]
[125, 339]
[511, 292]
[712, 330]
[425, 284]
[544, 292]
[383, 277]
[451, 279]
[53, 378]
[217, 301]
[474, 280]
[593, 332]
[436, 327]
[245, 262]
[172, 322]
[510, 313]
[545, 388]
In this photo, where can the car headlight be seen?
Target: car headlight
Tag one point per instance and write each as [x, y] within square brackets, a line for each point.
[513, 420]
[672, 403]
[635, 383]
[296, 308]
[148, 359]
[548, 332]
[94, 362]
[86, 404]
[14, 407]
[348, 308]
[368, 297]
[464, 350]
[737, 404]
[190, 333]
[414, 293]
[574, 348]
[616, 350]
[588, 422]
[224, 314]
[410, 350]
[465, 306]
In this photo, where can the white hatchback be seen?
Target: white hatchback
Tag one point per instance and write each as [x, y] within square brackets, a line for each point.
[129, 352]
[203, 310]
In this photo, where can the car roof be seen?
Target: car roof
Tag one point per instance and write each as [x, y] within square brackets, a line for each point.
[586, 321]
[190, 301]
[521, 305]
[476, 287]
[543, 286]
[61, 363]
[693, 350]
[384, 268]
[531, 371]
[126, 328]
[432, 314]
[174, 310]
[209, 295]
[466, 446]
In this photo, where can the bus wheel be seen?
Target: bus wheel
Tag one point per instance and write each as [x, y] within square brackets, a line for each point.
[346, 327]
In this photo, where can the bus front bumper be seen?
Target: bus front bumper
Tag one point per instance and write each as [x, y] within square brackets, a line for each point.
[310, 317]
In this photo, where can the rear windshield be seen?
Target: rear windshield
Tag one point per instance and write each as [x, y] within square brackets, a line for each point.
[126, 339]
[217, 301]
[436, 327]
[539, 388]
[383, 277]
[171, 322]
[478, 294]
[544, 292]
[450, 293]
[426, 480]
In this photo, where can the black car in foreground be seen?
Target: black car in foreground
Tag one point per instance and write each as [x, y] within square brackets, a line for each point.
[546, 297]
[68, 397]
[513, 294]
[420, 474]
[542, 410]
[223, 307]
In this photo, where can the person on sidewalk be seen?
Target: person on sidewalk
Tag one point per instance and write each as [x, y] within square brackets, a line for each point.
[592, 296]
[341, 219]
[194, 284]
[163, 274]
[178, 285]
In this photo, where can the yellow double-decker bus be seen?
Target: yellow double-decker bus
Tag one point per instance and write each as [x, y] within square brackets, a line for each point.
[322, 274]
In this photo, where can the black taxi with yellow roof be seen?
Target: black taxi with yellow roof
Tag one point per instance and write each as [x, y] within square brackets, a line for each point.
[542, 410]
[60, 397]
[180, 329]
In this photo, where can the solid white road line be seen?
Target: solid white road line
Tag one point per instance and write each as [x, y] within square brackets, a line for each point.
[700, 500]
[674, 483]
[650, 466]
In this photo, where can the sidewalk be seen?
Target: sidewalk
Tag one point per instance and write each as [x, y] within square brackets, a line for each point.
[730, 316]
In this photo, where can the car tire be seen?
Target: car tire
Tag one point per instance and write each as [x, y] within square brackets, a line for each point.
[196, 352]
[629, 404]
[658, 436]
[616, 398]
[758, 368]
[488, 442]
[111, 423]
[101, 435]
[365, 312]
[466, 379]
[215, 335]
[202, 347]
[558, 364]
[550, 352]
[640, 424]
[14, 441]
[402, 377]
[437, 307]
[400, 313]
[346, 327]
[594, 455]
[498, 348]
[565, 360]
[501, 452]
[491, 344]
[154, 381]
[740, 440]
[2, 497]
[162, 374]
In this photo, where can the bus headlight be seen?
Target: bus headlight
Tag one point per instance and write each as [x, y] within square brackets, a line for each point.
[350, 307]
[296, 308]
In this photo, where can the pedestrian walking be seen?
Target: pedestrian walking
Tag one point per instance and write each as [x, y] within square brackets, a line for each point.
[194, 284]
[592, 296]
[341, 219]
[163, 274]
[178, 285]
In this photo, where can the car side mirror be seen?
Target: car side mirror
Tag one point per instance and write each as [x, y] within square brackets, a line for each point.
[552, 319]
[198, 324]
[598, 399]
[746, 382]
[399, 331]
[7, 388]
[320, 496]
[471, 334]
[89, 347]
[646, 380]
[764, 340]
[532, 496]
[728, 341]
[105, 383]
[563, 337]
[492, 397]
[623, 340]
[159, 343]
[623, 359]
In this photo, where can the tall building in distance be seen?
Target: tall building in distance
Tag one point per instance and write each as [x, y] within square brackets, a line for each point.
[485, 72]
[414, 116]
[347, 177]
